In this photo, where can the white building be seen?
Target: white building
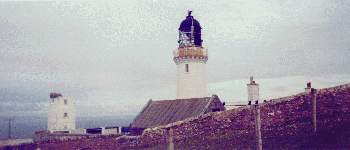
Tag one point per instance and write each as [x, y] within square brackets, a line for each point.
[61, 115]
[253, 92]
[190, 59]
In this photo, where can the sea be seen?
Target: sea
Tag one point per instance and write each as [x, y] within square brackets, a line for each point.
[26, 126]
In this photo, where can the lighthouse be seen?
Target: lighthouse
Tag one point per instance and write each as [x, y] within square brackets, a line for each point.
[61, 113]
[190, 59]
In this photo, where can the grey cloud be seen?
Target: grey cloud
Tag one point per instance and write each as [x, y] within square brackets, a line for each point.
[123, 50]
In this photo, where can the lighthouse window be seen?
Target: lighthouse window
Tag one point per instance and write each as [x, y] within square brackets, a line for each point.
[186, 67]
[65, 114]
[65, 102]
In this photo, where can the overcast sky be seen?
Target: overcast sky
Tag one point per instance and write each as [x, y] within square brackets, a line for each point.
[112, 57]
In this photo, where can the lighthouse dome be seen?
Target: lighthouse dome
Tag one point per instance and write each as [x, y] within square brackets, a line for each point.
[186, 37]
[187, 23]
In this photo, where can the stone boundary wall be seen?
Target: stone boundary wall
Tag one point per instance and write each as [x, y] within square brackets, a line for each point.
[126, 141]
[14, 142]
[273, 112]
[328, 101]
[46, 136]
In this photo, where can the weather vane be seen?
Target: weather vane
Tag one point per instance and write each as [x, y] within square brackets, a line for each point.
[189, 13]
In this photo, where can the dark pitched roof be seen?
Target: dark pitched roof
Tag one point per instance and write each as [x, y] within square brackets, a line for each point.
[156, 113]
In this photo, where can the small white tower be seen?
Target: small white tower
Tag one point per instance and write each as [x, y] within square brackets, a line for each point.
[61, 115]
[190, 59]
[253, 92]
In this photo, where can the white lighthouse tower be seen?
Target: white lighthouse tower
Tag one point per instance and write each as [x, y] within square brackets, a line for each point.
[61, 113]
[190, 59]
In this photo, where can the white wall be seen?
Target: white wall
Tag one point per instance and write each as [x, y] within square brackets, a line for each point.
[78, 131]
[111, 131]
[253, 93]
[191, 84]
[56, 118]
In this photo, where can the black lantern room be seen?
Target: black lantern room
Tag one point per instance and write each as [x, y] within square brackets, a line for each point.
[190, 32]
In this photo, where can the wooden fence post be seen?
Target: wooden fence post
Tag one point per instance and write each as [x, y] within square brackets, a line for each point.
[170, 139]
[257, 127]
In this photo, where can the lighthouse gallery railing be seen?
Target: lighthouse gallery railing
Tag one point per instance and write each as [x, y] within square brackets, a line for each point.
[195, 51]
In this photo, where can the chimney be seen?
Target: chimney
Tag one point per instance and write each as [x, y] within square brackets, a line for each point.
[55, 95]
[308, 88]
[251, 80]
[309, 85]
[253, 92]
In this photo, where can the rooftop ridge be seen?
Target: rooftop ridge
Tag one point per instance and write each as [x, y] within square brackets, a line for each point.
[181, 99]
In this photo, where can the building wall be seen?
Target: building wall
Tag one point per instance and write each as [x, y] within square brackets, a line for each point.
[191, 84]
[111, 131]
[78, 131]
[215, 105]
[56, 115]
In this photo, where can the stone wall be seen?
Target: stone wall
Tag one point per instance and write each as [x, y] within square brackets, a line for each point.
[46, 136]
[13, 142]
[273, 112]
[128, 141]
